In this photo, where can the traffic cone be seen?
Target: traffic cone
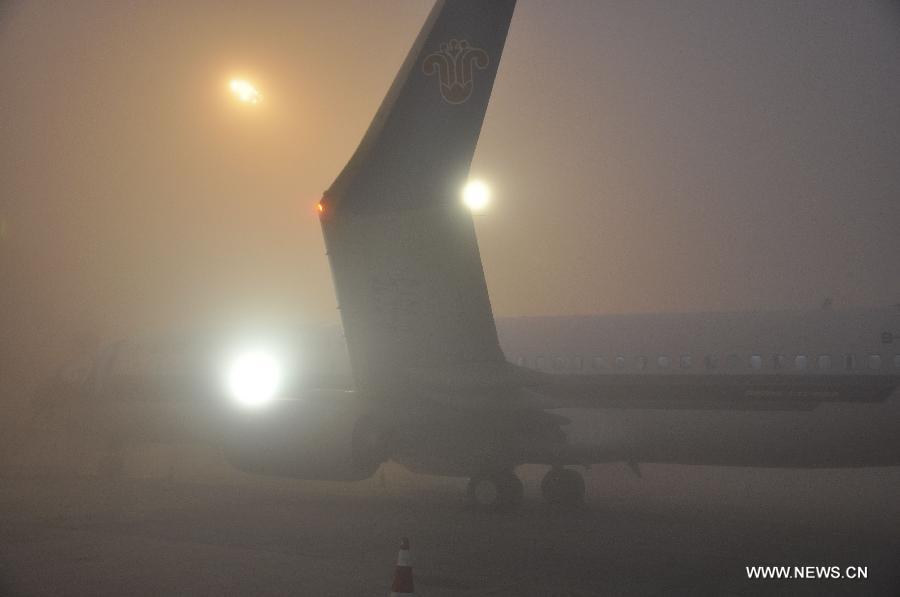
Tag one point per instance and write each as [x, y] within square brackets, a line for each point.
[403, 580]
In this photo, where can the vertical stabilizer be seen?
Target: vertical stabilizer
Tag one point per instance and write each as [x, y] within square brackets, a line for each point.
[402, 247]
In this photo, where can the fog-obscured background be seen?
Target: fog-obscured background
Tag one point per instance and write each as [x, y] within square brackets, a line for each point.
[645, 156]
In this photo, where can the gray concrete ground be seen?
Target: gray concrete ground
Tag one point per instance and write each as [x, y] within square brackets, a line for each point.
[180, 523]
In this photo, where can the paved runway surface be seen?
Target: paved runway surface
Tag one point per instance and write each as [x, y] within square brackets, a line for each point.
[88, 536]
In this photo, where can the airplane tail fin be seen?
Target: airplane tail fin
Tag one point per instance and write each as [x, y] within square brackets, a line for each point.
[401, 245]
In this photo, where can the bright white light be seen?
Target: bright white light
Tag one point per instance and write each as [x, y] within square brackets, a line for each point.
[254, 377]
[245, 91]
[476, 195]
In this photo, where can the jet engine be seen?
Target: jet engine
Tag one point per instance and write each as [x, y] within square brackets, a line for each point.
[323, 435]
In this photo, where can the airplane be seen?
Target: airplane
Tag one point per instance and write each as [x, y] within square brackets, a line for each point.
[432, 381]
[765, 388]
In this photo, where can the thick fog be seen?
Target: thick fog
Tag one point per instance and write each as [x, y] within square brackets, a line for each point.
[644, 157]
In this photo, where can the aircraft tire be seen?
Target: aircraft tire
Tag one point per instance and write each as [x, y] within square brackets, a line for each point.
[563, 488]
[496, 491]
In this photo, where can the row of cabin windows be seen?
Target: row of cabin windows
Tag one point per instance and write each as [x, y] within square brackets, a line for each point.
[800, 362]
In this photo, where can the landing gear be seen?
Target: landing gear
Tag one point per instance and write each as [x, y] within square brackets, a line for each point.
[563, 488]
[496, 491]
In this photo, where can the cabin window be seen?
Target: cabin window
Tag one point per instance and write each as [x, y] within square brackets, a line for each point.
[620, 362]
[578, 363]
[640, 363]
[663, 361]
[522, 362]
[897, 361]
[732, 361]
[711, 361]
[559, 364]
[686, 361]
[599, 363]
[779, 361]
[800, 362]
[874, 361]
[540, 363]
[824, 362]
[849, 362]
[756, 361]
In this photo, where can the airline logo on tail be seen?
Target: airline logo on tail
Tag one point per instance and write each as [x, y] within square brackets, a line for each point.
[455, 64]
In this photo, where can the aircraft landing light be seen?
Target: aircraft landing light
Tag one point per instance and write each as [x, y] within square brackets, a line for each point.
[476, 195]
[254, 378]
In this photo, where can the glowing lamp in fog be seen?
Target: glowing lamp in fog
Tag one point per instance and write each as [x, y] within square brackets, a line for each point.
[254, 378]
[244, 91]
[476, 195]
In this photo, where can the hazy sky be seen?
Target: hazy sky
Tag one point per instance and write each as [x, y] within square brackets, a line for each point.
[646, 156]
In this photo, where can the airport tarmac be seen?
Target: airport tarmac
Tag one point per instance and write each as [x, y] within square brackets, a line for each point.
[189, 534]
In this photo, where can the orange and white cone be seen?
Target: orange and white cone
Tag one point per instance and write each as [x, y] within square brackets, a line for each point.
[403, 578]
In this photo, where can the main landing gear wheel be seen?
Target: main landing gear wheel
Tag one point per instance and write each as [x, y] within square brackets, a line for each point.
[496, 492]
[563, 488]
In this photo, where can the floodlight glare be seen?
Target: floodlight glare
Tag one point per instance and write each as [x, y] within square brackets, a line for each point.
[244, 91]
